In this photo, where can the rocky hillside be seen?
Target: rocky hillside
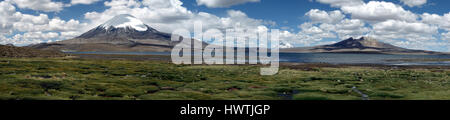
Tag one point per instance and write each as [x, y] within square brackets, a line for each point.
[12, 51]
[361, 45]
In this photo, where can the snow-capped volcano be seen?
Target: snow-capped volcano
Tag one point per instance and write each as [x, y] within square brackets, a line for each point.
[124, 21]
[124, 26]
[122, 33]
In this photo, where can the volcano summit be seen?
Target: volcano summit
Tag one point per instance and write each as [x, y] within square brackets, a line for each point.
[123, 33]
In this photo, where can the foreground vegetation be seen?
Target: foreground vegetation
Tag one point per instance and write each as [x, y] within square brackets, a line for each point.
[84, 79]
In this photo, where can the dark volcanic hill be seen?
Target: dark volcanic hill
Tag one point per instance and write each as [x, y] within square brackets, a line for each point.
[12, 51]
[123, 33]
[362, 45]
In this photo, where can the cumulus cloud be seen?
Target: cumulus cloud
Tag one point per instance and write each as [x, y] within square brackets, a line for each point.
[412, 31]
[442, 21]
[6, 11]
[324, 25]
[378, 11]
[412, 3]
[39, 5]
[29, 38]
[168, 15]
[33, 28]
[26, 22]
[314, 34]
[318, 16]
[420, 45]
[351, 28]
[85, 2]
[446, 36]
[341, 3]
[57, 24]
[308, 36]
[223, 3]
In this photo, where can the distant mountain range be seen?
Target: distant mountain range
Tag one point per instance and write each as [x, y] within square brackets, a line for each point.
[125, 33]
[361, 45]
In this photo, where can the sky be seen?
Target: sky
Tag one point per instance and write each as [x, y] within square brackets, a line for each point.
[413, 24]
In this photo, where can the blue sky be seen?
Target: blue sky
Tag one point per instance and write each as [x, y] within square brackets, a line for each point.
[415, 24]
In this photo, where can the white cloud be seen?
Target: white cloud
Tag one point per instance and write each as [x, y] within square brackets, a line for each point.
[340, 3]
[351, 28]
[378, 11]
[412, 31]
[26, 22]
[30, 38]
[310, 34]
[57, 24]
[124, 3]
[319, 16]
[445, 36]
[405, 27]
[85, 2]
[412, 3]
[223, 3]
[69, 35]
[424, 45]
[442, 21]
[39, 5]
[39, 35]
[331, 25]
[168, 15]
[35, 28]
[37, 20]
[6, 11]
[314, 34]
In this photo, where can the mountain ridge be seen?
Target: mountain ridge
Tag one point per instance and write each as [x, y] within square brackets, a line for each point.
[122, 33]
[125, 33]
[361, 45]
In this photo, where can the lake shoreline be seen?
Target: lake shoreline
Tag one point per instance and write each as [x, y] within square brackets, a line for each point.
[166, 58]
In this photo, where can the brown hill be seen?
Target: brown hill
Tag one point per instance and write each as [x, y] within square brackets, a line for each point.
[362, 45]
[13, 51]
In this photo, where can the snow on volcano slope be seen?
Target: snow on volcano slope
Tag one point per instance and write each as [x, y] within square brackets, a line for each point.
[124, 21]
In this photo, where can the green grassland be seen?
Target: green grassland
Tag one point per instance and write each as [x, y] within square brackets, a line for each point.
[84, 79]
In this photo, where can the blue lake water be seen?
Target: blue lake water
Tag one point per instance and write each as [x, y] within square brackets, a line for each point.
[333, 58]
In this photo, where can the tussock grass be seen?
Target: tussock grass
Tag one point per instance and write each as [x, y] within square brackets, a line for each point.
[83, 79]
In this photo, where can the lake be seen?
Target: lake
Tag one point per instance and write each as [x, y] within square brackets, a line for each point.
[334, 58]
